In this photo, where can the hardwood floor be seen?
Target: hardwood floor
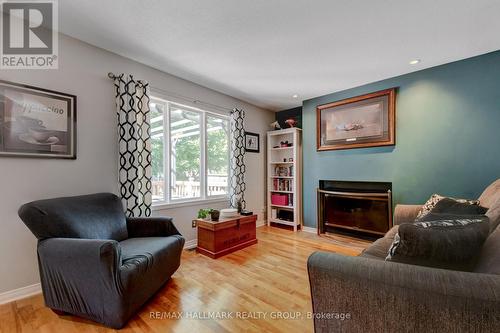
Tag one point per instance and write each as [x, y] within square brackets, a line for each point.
[263, 282]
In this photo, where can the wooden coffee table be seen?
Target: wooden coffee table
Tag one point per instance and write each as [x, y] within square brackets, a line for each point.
[218, 238]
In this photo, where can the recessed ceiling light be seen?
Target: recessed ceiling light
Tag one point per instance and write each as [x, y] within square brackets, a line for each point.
[414, 61]
[295, 96]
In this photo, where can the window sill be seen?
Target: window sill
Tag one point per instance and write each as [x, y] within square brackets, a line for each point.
[198, 202]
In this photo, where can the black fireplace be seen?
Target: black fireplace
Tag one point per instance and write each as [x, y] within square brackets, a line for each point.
[364, 208]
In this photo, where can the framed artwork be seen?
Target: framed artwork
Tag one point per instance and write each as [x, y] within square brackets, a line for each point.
[357, 122]
[252, 144]
[36, 122]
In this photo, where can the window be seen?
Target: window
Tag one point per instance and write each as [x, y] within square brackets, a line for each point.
[190, 153]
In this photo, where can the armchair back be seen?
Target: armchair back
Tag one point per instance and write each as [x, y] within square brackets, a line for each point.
[94, 216]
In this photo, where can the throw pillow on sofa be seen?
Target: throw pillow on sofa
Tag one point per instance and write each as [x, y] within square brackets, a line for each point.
[435, 198]
[453, 207]
[452, 243]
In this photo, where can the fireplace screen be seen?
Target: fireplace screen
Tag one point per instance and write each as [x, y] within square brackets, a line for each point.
[354, 206]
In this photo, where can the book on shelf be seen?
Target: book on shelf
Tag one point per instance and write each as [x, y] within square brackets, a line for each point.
[282, 184]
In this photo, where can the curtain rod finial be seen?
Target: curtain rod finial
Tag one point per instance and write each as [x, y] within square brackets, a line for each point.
[111, 75]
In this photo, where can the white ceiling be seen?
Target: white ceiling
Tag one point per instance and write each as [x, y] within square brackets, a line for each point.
[264, 51]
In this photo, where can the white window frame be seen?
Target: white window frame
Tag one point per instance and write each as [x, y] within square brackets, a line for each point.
[204, 198]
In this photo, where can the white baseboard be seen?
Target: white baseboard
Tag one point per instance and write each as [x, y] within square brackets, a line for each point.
[191, 244]
[309, 229]
[20, 293]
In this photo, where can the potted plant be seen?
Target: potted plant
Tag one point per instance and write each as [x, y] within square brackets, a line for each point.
[214, 214]
[204, 213]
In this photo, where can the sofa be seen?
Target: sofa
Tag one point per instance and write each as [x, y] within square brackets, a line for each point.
[96, 263]
[367, 293]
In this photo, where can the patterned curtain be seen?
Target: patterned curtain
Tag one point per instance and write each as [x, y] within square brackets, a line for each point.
[237, 170]
[134, 142]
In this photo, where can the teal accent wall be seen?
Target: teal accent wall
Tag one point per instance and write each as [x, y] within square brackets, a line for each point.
[447, 136]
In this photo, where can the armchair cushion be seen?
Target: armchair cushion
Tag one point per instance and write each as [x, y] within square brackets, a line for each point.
[149, 261]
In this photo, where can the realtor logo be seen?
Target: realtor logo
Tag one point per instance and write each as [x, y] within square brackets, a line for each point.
[29, 35]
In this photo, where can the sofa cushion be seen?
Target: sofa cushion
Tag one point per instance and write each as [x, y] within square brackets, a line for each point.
[452, 244]
[94, 216]
[148, 262]
[489, 259]
[452, 206]
[379, 248]
[435, 198]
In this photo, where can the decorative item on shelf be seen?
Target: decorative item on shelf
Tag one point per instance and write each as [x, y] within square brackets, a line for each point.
[284, 159]
[275, 125]
[285, 215]
[245, 212]
[285, 144]
[214, 215]
[358, 122]
[280, 171]
[228, 213]
[36, 122]
[290, 159]
[279, 199]
[291, 122]
[252, 142]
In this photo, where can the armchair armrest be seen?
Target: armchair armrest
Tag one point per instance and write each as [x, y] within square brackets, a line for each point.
[79, 274]
[395, 297]
[406, 213]
[151, 227]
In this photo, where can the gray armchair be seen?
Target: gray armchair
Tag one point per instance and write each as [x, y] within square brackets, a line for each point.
[96, 263]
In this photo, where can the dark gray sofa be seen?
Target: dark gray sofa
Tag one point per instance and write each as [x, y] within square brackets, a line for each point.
[96, 263]
[382, 296]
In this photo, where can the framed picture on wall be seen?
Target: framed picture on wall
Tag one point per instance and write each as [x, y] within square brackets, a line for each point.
[357, 122]
[252, 144]
[36, 122]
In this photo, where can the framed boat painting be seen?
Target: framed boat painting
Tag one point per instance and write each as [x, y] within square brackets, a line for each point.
[36, 122]
[357, 122]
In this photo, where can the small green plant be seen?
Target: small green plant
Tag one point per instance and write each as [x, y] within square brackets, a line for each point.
[204, 213]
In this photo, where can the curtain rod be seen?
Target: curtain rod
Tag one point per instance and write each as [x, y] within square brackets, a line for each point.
[188, 99]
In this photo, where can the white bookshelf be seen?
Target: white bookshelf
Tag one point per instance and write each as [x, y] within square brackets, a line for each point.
[284, 171]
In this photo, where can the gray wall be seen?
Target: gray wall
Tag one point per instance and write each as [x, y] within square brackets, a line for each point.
[447, 136]
[83, 72]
